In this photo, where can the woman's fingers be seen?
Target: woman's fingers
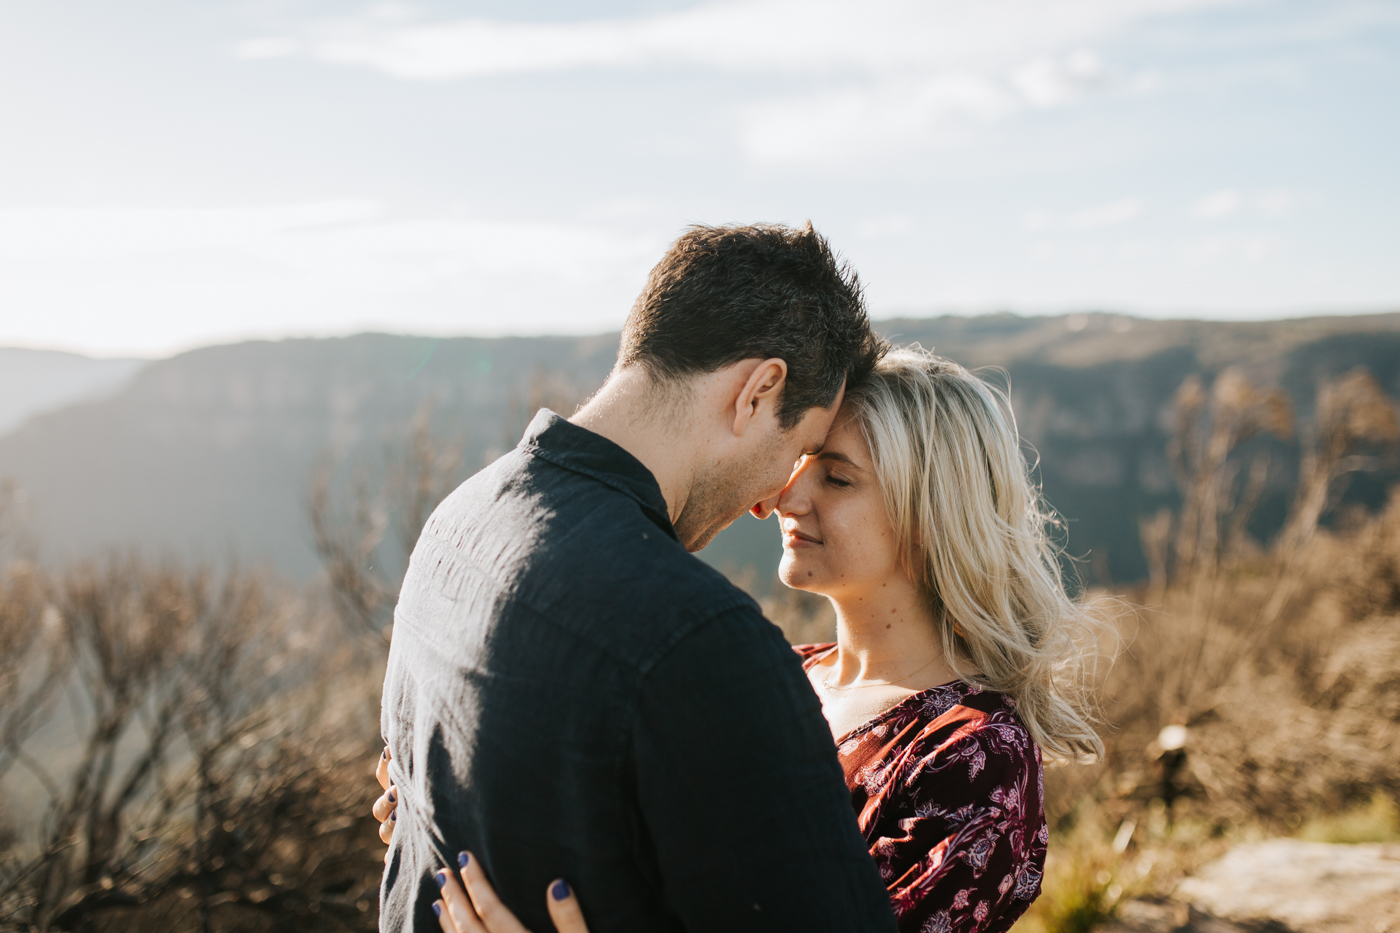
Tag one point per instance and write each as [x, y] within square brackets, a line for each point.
[455, 911]
[479, 910]
[384, 809]
[386, 803]
[381, 768]
[564, 909]
[495, 916]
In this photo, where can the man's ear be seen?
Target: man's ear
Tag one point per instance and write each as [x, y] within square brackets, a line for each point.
[761, 391]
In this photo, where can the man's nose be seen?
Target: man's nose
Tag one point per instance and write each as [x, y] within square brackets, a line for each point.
[783, 502]
[767, 507]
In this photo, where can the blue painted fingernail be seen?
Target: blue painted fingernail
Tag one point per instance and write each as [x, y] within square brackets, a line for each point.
[437, 910]
[462, 859]
[394, 816]
[441, 879]
[560, 891]
[392, 798]
[385, 753]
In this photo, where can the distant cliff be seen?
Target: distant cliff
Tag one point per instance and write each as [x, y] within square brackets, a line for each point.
[34, 381]
[210, 453]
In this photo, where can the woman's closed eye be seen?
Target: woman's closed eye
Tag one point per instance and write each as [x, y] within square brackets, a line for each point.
[837, 481]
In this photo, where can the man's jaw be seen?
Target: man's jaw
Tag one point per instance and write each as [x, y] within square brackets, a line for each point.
[703, 536]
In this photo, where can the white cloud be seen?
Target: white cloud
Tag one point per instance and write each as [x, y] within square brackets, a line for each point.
[776, 34]
[1227, 202]
[797, 36]
[90, 233]
[1047, 82]
[851, 124]
[1110, 214]
[1219, 204]
[191, 276]
[1105, 215]
[887, 225]
[898, 74]
[1035, 221]
[1275, 203]
[316, 236]
[449, 248]
[267, 47]
[1246, 249]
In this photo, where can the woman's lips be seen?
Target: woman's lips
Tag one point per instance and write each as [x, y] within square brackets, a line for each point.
[792, 538]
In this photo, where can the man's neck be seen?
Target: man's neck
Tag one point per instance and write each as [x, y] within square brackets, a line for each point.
[628, 410]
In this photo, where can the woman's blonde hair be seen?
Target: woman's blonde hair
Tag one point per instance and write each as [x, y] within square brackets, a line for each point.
[973, 530]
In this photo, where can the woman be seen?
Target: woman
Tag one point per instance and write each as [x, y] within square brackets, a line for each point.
[958, 654]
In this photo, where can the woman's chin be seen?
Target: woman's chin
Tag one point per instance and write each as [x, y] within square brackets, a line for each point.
[794, 575]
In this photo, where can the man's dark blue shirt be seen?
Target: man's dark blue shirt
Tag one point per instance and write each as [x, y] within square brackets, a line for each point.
[571, 694]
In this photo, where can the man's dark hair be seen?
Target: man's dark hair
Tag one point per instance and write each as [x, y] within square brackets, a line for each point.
[765, 291]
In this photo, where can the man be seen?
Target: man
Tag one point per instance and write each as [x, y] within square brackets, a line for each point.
[572, 694]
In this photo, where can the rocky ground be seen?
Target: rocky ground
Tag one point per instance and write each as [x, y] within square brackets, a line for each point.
[1280, 886]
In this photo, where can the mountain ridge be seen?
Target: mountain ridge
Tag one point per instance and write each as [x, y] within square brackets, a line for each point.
[209, 454]
[34, 381]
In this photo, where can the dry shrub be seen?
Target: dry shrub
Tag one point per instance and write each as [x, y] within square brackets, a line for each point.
[1260, 690]
[350, 527]
[1309, 719]
[216, 775]
[1286, 715]
[33, 658]
[211, 765]
[1292, 706]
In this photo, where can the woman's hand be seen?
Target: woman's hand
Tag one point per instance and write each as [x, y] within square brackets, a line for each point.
[483, 911]
[388, 802]
[479, 910]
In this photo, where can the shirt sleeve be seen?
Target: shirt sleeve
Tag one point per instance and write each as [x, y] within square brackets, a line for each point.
[741, 794]
[969, 857]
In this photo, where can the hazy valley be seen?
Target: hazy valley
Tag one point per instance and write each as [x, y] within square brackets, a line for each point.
[210, 454]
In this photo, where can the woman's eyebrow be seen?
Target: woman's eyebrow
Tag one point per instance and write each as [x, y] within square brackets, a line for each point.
[836, 455]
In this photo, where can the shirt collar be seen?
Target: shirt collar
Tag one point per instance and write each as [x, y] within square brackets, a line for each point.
[564, 444]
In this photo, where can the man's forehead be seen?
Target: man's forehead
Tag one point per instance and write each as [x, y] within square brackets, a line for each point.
[842, 421]
[821, 429]
[818, 442]
[823, 420]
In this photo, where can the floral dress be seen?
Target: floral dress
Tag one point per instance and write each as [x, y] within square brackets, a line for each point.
[948, 787]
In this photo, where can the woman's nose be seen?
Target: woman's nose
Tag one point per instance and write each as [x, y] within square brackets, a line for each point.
[777, 503]
[794, 499]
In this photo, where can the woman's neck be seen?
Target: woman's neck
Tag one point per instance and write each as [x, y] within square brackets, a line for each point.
[887, 633]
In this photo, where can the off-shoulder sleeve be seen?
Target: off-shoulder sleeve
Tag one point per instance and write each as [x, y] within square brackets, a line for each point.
[967, 851]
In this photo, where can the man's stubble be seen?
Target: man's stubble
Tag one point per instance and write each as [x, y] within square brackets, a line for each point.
[719, 497]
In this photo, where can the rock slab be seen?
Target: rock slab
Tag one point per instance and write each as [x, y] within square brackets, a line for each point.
[1280, 886]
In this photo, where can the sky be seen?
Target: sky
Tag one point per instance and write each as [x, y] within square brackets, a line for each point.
[174, 174]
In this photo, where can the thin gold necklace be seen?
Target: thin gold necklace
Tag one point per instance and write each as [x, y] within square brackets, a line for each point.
[826, 681]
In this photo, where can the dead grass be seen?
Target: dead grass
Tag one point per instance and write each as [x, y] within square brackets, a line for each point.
[1259, 694]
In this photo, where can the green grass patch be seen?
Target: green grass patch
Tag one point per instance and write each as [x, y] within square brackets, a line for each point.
[1376, 821]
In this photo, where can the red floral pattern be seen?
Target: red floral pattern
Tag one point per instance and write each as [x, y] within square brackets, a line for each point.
[948, 788]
